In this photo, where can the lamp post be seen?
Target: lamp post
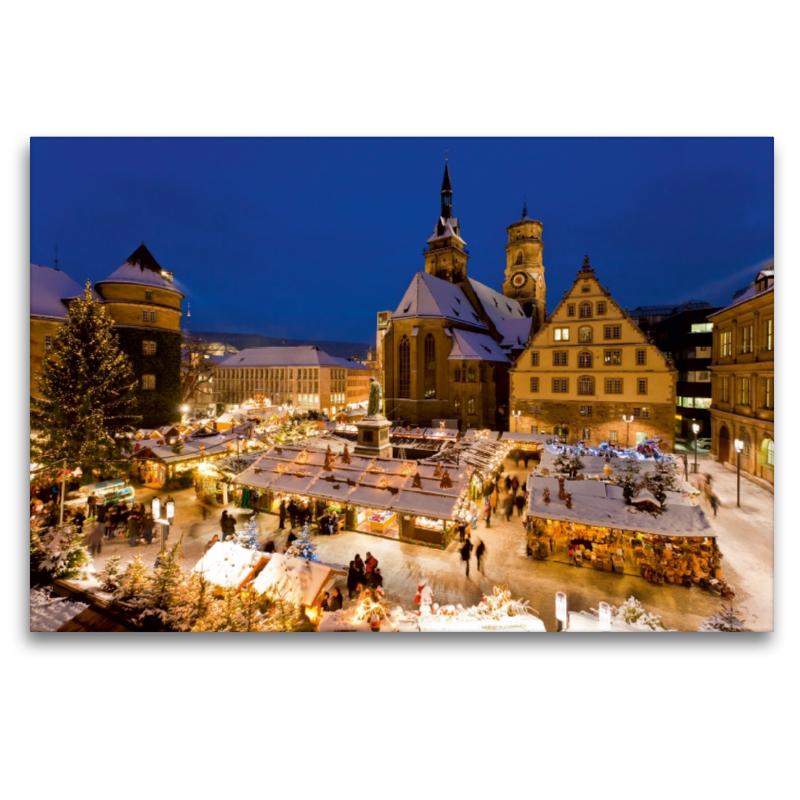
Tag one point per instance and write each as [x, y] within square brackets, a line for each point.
[739, 445]
[238, 459]
[695, 430]
[516, 415]
[627, 420]
[169, 516]
[561, 611]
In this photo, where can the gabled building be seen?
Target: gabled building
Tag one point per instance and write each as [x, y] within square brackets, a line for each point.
[588, 367]
[743, 379]
[449, 344]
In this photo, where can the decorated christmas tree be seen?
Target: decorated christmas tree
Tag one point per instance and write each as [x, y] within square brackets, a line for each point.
[159, 598]
[567, 465]
[248, 537]
[134, 579]
[303, 547]
[86, 382]
[111, 576]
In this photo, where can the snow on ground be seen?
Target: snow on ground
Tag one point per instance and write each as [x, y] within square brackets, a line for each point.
[50, 612]
[745, 537]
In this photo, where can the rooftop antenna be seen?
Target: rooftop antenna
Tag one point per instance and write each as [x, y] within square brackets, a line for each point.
[57, 270]
[188, 318]
[446, 151]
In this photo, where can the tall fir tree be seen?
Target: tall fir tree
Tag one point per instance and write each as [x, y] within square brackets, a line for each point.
[160, 598]
[111, 576]
[87, 386]
[303, 547]
[134, 580]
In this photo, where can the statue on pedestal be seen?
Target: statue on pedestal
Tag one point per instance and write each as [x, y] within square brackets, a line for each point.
[374, 404]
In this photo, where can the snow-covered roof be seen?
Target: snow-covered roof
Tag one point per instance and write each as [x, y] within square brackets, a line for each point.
[496, 305]
[140, 267]
[304, 356]
[446, 228]
[302, 580]
[350, 364]
[49, 289]
[428, 296]
[603, 505]
[227, 564]
[508, 436]
[472, 346]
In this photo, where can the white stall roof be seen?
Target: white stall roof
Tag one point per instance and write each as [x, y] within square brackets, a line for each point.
[227, 564]
[435, 506]
[302, 580]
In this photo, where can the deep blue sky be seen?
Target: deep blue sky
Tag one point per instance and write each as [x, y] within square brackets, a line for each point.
[309, 238]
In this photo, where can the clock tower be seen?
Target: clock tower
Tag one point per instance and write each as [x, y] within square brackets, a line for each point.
[524, 275]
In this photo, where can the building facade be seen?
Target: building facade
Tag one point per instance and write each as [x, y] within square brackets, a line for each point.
[448, 345]
[146, 307]
[306, 378]
[686, 338]
[743, 379]
[590, 366]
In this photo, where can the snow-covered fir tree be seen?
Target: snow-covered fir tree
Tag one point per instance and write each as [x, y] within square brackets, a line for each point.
[37, 549]
[633, 612]
[159, 599]
[568, 465]
[727, 621]
[111, 576]
[134, 580]
[630, 482]
[303, 547]
[87, 384]
[66, 556]
[248, 536]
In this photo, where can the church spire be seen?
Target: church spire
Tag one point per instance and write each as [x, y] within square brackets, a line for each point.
[447, 194]
[525, 207]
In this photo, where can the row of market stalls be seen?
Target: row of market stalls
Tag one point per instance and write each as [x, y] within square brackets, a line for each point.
[589, 523]
[395, 498]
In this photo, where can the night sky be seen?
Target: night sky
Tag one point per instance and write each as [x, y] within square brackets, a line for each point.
[309, 238]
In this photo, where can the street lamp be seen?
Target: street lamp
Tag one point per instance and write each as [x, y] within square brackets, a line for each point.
[516, 415]
[739, 445]
[696, 430]
[169, 515]
[627, 420]
[561, 611]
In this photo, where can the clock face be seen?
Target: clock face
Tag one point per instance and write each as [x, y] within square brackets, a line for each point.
[519, 280]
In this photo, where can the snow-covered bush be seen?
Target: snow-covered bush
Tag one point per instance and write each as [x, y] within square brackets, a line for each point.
[727, 621]
[632, 612]
[303, 547]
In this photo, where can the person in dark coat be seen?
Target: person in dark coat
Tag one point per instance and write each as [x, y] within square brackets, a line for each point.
[335, 601]
[377, 578]
[514, 485]
[480, 551]
[353, 579]
[269, 547]
[282, 516]
[462, 531]
[100, 512]
[466, 549]
[508, 507]
[519, 502]
[361, 569]
[292, 537]
[148, 526]
[230, 527]
[111, 521]
[95, 539]
[292, 513]
[487, 512]
[211, 543]
[508, 484]
[223, 523]
[92, 504]
[133, 531]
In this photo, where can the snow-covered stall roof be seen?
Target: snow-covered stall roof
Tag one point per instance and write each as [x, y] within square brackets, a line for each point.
[227, 564]
[520, 437]
[603, 505]
[49, 289]
[594, 465]
[428, 296]
[337, 485]
[435, 506]
[304, 581]
[474, 433]
[471, 346]
[371, 497]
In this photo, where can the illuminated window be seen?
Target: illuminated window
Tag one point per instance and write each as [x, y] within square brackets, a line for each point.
[148, 382]
[585, 334]
[613, 436]
[768, 393]
[471, 405]
[725, 344]
[149, 348]
[702, 327]
[457, 403]
[747, 338]
[769, 340]
[744, 391]
[561, 334]
[768, 453]
[612, 358]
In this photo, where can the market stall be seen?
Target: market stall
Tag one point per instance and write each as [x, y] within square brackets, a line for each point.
[230, 566]
[295, 580]
[589, 523]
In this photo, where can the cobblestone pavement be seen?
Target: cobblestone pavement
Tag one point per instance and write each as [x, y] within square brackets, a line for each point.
[745, 537]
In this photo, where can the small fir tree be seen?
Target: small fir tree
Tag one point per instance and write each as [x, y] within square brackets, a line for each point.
[66, 556]
[159, 599]
[37, 549]
[111, 576]
[727, 621]
[248, 537]
[134, 580]
[303, 547]
[630, 483]
[568, 465]
[86, 382]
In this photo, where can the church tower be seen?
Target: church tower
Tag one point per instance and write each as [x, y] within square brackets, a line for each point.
[446, 256]
[524, 276]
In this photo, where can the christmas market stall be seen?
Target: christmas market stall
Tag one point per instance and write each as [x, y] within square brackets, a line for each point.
[296, 581]
[230, 566]
[592, 524]
[526, 448]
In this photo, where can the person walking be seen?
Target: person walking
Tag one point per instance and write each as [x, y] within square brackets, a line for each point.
[95, 539]
[336, 600]
[148, 526]
[466, 549]
[230, 527]
[361, 569]
[92, 505]
[292, 509]
[133, 530]
[370, 567]
[480, 552]
[110, 521]
[515, 485]
[282, 515]
[462, 530]
[473, 512]
[508, 506]
[519, 502]
[487, 513]
[223, 523]
[494, 499]
[508, 484]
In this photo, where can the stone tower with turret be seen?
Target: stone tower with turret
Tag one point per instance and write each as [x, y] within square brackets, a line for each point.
[524, 276]
[447, 256]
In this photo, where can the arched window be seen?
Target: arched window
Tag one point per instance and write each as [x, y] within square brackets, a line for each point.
[457, 402]
[585, 333]
[585, 385]
[471, 374]
[585, 360]
[471, 405]
[768, 453]
[457, 376]
[430, 366]
[519, 257]
[404, 366]
[586, 310]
